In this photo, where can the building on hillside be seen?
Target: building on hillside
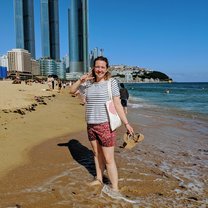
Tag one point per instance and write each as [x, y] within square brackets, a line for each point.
[49, 10]
[128, 77]
[118, 67]
[24, 25]
[122, 76]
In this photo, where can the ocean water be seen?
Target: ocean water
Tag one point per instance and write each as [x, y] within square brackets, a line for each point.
[175, 127]
[191, 98]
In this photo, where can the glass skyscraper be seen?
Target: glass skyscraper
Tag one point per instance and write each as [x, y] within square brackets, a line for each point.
[78, 36]
[24, 25]
[50, 29]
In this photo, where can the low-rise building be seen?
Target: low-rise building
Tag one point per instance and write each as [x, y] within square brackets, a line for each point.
[19, 60]
[35, 67]
[4, 61]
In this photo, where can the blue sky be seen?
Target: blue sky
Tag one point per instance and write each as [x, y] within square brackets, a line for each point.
[170, 36]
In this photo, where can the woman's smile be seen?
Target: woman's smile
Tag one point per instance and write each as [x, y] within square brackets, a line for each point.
[100, 69]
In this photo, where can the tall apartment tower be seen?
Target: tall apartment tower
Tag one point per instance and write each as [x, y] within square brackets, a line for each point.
[24, 25]
[49, 11]
[78, 36]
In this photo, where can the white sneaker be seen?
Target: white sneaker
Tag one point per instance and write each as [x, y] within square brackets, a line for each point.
[117, 195]
[111, 193]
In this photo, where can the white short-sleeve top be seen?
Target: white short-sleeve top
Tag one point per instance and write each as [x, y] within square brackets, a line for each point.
[96, 96]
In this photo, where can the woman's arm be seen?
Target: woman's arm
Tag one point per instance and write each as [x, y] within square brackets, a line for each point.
[75, 86]
[82, 79]
[121, 113]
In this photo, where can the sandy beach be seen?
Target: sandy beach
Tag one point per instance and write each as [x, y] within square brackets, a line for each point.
[46, 159]
[47, 120]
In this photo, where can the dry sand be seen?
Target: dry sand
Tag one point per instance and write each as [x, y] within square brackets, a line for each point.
[46, 160]
[19, 133]
[14, 96]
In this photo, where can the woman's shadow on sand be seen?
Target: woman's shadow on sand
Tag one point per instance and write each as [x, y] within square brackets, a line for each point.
[81, 154]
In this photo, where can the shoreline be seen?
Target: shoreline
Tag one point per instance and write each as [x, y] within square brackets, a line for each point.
[51, 161]
[59, 169]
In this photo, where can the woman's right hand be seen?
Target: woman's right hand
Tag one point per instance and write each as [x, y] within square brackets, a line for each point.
[82, 79]
[86, 77]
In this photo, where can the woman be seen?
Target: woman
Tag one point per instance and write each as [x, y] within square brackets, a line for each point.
[101, 137]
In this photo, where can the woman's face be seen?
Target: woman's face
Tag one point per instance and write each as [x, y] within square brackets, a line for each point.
[100, 69]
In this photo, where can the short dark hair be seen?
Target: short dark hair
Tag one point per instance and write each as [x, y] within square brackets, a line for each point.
[122, 85]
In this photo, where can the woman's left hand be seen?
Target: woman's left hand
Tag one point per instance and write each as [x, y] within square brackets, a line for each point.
[129, 129]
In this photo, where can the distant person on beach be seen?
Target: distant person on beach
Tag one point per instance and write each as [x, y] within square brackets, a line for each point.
[59, 85]
[49, 81]
[64, 85]
[124, 96]
[101, 137]
[53, 82]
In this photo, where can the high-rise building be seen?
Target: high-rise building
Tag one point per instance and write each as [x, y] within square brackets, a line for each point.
[66, 60]
[24, 25]
[78, 36]
[94, 54]
[49, 10]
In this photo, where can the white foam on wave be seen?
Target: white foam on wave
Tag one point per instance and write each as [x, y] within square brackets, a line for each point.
[46, 186]
[195, 185]
[129, 179]
[135, 105]
[137, 99]
[141, 105]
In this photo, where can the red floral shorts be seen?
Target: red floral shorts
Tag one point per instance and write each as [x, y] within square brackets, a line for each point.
[102, 133]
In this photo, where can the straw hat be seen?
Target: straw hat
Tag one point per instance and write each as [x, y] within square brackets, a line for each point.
[131, 140]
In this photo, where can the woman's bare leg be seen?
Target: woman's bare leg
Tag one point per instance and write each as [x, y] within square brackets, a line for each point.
[108, 153]
[99, 159]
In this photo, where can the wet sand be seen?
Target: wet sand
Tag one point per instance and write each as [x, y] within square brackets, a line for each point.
[168, 169]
